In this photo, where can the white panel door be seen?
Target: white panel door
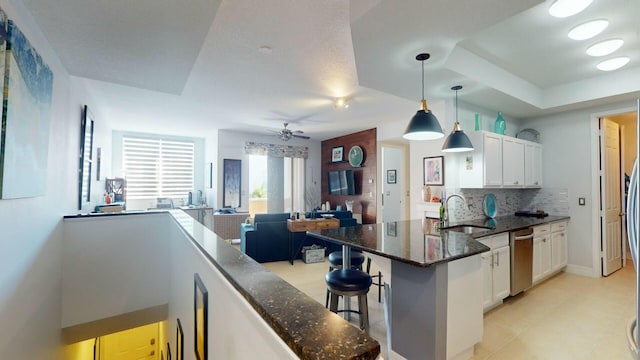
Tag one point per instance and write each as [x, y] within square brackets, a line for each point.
[611, 211]
[545, 256]
[393, 175]
[140, 343]
[512, 162]
[487, 279]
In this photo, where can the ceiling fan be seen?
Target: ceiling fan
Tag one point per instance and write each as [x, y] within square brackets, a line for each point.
[285, 134]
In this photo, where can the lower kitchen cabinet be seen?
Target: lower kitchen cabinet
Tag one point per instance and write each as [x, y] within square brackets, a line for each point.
[549, 249]
[496, 270]
[558, 245]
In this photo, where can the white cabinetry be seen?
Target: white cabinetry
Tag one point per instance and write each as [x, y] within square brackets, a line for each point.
[483, 166]
[496, 270]
[541, 252]
[500, 161]
[558, 245]
[532, 164]
[512, 162]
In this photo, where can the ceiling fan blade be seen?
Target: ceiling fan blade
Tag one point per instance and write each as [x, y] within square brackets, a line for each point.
[301, 137]
[298, 132]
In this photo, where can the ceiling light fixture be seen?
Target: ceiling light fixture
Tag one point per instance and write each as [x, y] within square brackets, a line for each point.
[588, 30]
[457, 141]
[613, 64]
[423, 125]
[341, 103]
[566, 8]
[604, 48]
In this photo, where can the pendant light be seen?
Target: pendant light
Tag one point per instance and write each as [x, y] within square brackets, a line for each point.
[423, 125]
[457, 140]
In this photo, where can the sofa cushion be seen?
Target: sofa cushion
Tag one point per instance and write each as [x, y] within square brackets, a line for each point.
[271, 217]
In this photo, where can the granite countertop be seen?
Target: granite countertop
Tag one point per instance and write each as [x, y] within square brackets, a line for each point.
[310, 330]
[413, 242]
[506, 223]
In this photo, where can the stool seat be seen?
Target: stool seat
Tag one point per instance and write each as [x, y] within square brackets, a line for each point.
[335, 259]
[348, 280]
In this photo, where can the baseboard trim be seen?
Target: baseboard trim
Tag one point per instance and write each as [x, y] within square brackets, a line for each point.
[580, 270]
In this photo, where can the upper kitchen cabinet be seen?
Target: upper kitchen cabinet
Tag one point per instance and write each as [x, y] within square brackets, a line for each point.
[483, 166]
[532, 164]
[500, 161]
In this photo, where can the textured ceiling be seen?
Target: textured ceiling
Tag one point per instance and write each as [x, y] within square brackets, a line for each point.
[178, 65]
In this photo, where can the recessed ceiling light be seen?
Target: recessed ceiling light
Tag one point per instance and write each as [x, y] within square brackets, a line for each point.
[604, 47]
[566, 8]
[588, 30]
[613, 64]
[264, 49]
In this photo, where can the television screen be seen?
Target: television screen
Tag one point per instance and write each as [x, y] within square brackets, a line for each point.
[341, 182]
[334, 182]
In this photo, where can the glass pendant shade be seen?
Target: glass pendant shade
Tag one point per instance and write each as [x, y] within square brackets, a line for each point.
[457, 141]
[423, 125]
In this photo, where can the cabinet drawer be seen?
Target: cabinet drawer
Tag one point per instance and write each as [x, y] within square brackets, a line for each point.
[558, 226]
[327, 224]
[541, 230]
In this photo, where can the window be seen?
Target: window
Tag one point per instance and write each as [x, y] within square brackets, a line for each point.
[157, 167]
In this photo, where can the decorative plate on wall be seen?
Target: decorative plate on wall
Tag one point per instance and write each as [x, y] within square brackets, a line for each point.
[489, 206]
[356, 156]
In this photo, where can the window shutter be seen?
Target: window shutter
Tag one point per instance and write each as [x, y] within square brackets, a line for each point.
[158, 168]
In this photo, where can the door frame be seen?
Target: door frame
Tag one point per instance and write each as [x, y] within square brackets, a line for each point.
[595, 185]
[404, 178]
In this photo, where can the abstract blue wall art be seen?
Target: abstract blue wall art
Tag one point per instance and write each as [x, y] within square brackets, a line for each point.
[24, 141]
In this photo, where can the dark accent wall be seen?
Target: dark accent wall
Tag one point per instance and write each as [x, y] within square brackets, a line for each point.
[364, 201]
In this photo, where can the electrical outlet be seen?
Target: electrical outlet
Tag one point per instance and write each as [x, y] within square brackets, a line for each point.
[470, 202]
[581, 201]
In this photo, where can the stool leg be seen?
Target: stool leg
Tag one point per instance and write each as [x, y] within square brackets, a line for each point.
[380, 285]
[326, 302]
[334, 303]
[364, 312]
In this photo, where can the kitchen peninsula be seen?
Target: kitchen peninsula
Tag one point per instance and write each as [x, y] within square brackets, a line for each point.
[435, 308]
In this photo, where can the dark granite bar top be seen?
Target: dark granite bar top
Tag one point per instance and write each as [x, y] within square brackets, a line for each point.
[310, 330]
[414, 242]
[421, 242]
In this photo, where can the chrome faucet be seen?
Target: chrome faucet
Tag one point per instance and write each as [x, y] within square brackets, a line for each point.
[446, 205]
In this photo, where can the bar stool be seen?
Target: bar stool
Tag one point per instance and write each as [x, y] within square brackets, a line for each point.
[350, 282]
[335, 262]
[379, 284]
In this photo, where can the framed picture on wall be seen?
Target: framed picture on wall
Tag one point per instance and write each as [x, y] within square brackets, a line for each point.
[337, 154]
[391, 176]
[179, 341]
[200, 315]
[434, 170]
[231, 183]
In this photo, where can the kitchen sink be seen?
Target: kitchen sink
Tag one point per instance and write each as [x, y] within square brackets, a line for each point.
[467, 229]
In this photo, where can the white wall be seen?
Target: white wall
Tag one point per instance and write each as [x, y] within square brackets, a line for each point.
[567, 163]
[231, 146]
[113, 265]
[31, 235]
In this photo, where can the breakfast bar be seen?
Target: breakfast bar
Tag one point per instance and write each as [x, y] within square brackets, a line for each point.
[435, 300]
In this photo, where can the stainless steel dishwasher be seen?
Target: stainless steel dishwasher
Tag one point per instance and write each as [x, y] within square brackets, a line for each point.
[521, 243]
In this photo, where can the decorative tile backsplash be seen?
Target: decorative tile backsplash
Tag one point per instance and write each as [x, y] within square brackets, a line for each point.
[508, 201]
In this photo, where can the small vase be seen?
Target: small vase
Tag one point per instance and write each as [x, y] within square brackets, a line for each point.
[477, 128]
[500, 125]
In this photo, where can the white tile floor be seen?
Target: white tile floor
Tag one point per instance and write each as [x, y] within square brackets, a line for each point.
[565, 317]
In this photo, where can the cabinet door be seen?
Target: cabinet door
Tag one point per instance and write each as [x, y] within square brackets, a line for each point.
[537, 259]
[512, 162]
[492, 159]
[501, 273]
[558, 250]
[545, 256]
[533, 165]
[487, 279]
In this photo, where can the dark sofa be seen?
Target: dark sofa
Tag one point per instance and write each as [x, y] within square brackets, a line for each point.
[267, 239]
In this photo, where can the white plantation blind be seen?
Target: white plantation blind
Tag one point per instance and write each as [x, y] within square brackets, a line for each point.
[157, 168]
